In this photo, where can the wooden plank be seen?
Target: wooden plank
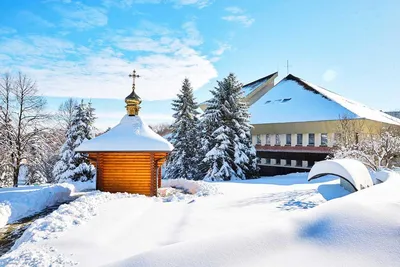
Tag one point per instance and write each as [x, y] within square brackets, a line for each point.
[153, 186]
[120, 181]
[128, 186]
[126, 166]
[113, 176]
[131, 172]
[127, 156]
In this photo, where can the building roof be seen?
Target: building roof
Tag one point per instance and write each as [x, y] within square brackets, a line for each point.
[130, 135]
[296, 100]
[250, 87]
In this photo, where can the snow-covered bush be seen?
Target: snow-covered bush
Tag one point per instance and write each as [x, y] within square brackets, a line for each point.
[375, 150]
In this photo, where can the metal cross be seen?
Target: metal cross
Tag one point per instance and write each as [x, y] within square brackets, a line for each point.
[287, 66]
[133, 76]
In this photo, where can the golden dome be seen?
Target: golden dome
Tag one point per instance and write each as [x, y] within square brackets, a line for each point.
[133, 100]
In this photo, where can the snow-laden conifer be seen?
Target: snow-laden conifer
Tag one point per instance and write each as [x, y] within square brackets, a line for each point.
[183, 162]
[226, 138]
[76, 166]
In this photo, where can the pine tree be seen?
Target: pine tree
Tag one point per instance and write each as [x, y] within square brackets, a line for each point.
[226, 138]
[76, 166]
[182, 162]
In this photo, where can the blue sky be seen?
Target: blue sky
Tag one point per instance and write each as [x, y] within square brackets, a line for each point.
[86, 49]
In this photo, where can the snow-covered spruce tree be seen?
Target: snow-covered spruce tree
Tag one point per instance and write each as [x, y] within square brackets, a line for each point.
[183, 162]
[226, 138]
[76, 166]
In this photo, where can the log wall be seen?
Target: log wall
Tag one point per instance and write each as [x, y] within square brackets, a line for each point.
[131, 172]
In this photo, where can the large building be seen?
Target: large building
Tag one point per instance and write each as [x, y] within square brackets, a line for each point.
[255, 90]
[296, 122]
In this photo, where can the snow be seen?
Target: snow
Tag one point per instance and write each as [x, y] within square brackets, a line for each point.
[353, 171]
[198, 188]
[358, 230]
[383, 175]
[131, 134]
[19, 202]
[121, 229]
[279, 104]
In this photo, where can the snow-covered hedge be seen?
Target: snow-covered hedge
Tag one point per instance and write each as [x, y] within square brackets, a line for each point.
[198, 188]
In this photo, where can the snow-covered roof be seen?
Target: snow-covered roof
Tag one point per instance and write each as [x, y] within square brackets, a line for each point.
[250, 87]
[131, 134]
[296, 100]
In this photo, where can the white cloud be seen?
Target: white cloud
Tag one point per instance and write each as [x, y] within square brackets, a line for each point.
[198, 3]
[177, 3]
[101, 70]
[237, 14]
[81, 16]
[329, 75]
[222, 47]
[193, 36]
[34, 19]
[234, 10]
[7, 30]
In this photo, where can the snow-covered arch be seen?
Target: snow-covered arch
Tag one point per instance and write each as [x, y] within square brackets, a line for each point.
[353, 172]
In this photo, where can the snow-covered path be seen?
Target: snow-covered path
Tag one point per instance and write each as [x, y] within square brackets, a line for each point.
[125, 227]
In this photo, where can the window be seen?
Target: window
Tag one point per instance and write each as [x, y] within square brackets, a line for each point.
[267, 161]
[258, 139]
[278, 161]
[324, 139]
[310, 163]
[288, 162]
[277, 140]
[268, 140]
[299, 139]
[288, 139]
[299, 163]
[311, 139]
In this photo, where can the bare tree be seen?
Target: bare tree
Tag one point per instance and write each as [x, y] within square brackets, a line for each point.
[6, 129]
[349, 131]
[22, 120]
[375, 148]
[65, 113]
[161, 128]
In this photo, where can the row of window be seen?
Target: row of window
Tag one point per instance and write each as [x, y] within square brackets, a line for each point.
[311, 139]
[299, 163]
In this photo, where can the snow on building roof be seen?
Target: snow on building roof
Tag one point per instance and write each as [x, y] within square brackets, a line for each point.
[250, 87]
[296, 100]
[130, 135]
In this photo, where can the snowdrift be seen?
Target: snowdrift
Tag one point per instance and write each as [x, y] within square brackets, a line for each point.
[198, 188]
[20, 202]
[360, 229]
[352, 171]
